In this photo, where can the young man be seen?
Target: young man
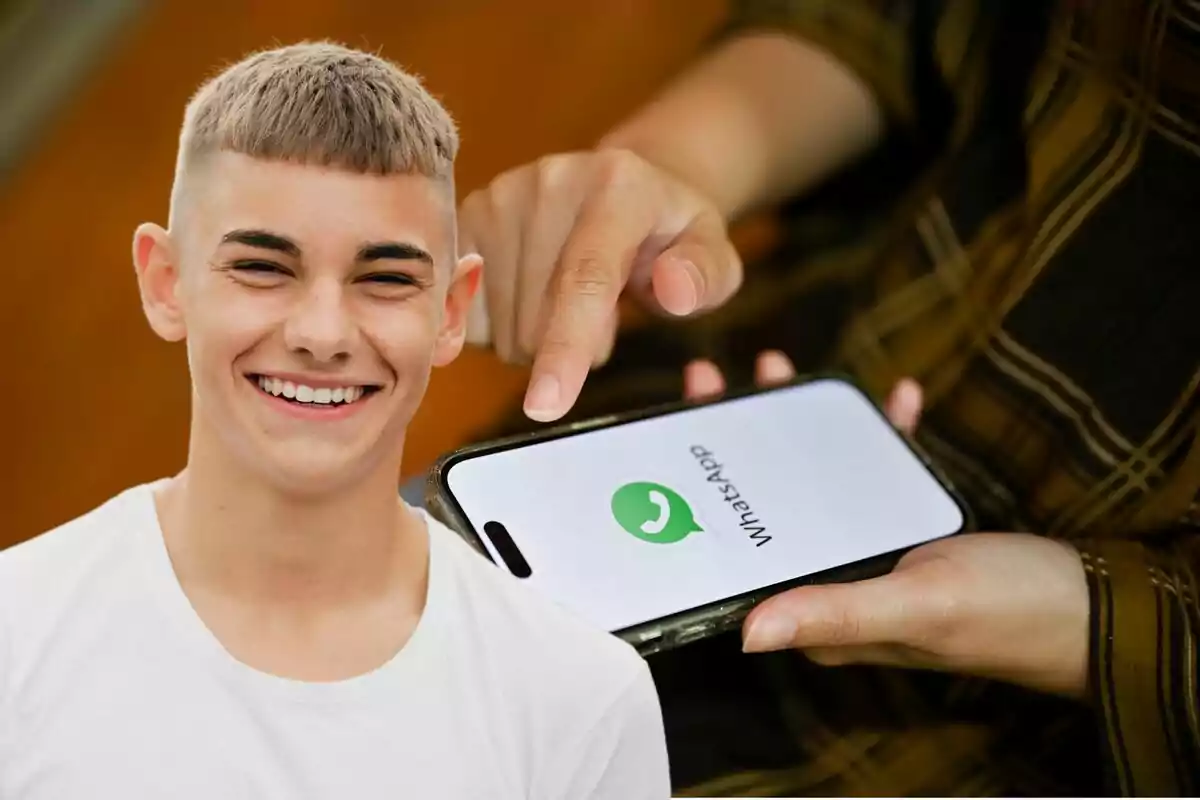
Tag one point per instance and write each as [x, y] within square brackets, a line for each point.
[272, 622]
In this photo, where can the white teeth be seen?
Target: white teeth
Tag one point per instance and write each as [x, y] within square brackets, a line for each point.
[307, 394]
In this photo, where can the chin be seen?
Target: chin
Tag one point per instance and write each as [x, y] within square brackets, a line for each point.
[312, 464]
[316, 469]
[314, 480]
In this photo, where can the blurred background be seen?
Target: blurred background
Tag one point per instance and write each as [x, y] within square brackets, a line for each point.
[91, 98]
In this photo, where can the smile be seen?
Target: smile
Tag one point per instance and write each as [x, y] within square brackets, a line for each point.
[314, 397]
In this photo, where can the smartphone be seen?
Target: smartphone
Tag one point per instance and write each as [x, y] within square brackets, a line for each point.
[668, 525]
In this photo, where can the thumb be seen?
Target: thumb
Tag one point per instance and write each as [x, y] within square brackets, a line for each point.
[699, 271]
[835, 615]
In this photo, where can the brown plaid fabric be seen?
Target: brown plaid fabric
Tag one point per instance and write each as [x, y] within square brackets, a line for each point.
[1026, 243]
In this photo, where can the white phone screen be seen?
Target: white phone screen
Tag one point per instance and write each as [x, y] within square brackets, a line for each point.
[638, 521]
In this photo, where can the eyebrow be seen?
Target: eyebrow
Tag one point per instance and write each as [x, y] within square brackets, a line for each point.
[262, 239]
[393, 251]
[375, 251]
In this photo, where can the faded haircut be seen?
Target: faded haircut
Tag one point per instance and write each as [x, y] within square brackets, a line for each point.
[322, 104]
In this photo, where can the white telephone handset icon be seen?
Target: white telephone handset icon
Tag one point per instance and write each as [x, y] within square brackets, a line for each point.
[655, 526]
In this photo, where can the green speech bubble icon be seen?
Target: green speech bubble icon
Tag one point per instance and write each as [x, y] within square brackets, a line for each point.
[653, 512]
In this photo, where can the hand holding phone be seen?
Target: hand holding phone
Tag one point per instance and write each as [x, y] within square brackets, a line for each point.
[668, 525]
[957, 604]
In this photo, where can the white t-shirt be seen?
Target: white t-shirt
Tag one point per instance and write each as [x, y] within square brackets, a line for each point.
[112, 686]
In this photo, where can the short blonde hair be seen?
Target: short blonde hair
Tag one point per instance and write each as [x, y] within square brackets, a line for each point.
[323, 104]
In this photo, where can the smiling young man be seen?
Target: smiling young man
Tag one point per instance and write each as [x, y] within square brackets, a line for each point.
[272, 622]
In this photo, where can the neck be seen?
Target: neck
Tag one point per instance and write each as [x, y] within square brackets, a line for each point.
[230, 531]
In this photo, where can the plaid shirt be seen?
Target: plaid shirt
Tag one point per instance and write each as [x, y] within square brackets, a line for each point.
[1026, 243]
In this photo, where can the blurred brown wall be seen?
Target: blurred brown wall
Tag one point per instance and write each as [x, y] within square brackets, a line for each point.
[94, 401]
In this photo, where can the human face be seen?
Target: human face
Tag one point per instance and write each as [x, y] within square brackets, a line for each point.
[314, 303]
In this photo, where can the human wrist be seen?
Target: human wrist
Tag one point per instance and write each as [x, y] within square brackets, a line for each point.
[1074, 605]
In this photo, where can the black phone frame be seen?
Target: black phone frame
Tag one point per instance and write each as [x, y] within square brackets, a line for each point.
[721, 615]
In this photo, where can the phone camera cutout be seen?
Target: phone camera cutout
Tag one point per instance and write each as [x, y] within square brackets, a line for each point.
[507, 549]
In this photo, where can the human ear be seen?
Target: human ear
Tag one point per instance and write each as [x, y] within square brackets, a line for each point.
[157, 268]
[464, 283]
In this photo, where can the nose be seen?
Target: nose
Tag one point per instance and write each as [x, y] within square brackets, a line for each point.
[319, 325]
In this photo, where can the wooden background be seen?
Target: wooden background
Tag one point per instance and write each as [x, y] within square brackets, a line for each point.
[94, 401]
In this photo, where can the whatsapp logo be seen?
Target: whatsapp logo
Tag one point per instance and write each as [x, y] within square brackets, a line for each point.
[653, 513]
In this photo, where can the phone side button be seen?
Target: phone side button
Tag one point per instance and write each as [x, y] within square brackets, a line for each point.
[691, 633]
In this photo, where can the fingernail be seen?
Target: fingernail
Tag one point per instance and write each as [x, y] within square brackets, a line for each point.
[768, 632]
[542, 401]
[689, 290]
[693, 284]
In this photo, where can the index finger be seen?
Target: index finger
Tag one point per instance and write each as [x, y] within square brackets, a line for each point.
[592, 271]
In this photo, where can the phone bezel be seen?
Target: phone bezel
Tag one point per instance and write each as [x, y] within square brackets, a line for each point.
[720, 615]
